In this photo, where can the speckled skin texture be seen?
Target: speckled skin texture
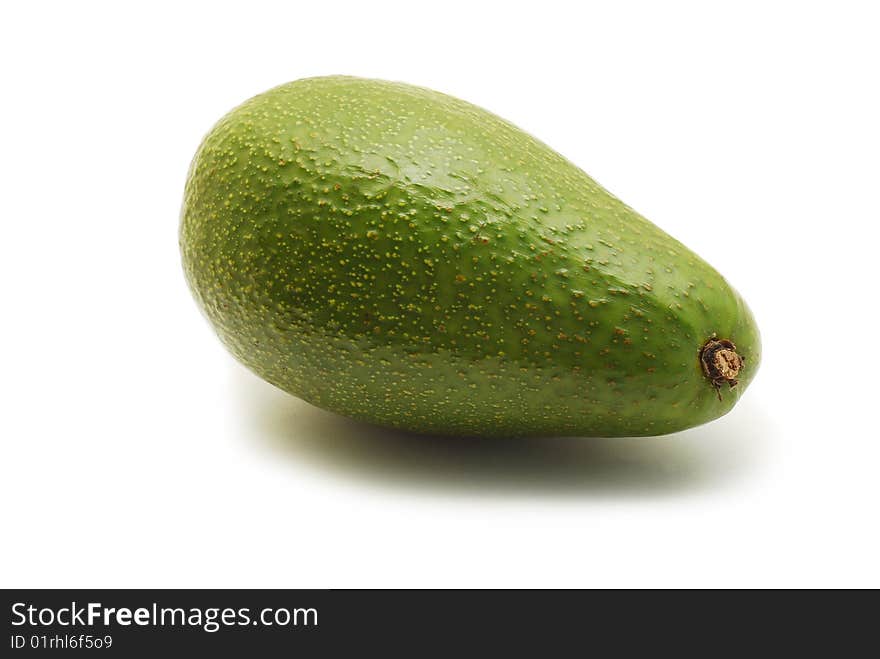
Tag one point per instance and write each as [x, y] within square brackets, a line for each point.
[402, 257]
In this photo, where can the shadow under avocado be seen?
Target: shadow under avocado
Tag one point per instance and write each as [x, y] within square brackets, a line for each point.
[697, 459]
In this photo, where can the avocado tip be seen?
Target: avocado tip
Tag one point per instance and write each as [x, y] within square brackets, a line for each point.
[721, 363]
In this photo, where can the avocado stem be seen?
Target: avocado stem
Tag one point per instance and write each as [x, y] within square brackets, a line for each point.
[721, 363]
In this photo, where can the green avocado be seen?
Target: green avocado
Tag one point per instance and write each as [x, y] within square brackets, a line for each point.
[406, 258]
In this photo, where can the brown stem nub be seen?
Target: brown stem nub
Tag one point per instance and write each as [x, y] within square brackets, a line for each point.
[721, 363]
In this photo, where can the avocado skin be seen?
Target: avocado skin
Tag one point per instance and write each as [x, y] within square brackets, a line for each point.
[405, 258]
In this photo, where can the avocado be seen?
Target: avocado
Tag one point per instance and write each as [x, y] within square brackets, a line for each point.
[402, 257]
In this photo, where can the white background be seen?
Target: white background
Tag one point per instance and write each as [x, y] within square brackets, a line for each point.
[136, 452]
